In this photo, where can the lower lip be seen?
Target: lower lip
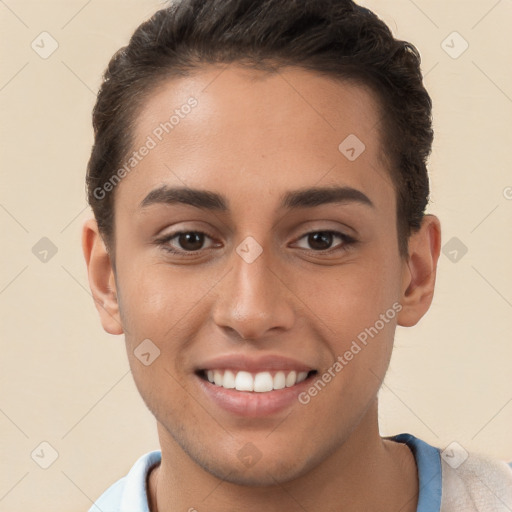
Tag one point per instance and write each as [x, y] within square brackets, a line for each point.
[252, 404]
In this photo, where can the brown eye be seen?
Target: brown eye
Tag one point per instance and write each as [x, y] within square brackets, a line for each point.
[321, 240]
[191, 241]
[325, 241]
[183, 242]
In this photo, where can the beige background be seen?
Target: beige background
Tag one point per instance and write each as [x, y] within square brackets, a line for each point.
[65, 381]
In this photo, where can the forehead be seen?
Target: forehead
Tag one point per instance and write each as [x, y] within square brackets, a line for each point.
[226, 128]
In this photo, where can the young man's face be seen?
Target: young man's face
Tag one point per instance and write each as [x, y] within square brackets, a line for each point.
[294, 296]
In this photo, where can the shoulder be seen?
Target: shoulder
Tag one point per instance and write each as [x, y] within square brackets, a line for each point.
[129, 494]
[474, 482]
[110, 500]
[455, 480]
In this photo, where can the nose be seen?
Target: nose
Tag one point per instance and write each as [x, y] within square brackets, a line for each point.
[254, 300]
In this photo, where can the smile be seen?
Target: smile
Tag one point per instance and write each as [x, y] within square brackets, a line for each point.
[253, 386]
[260, 382]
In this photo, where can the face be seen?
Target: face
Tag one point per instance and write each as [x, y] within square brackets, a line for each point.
[253, 250]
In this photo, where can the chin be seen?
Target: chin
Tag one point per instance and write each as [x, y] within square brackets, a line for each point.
[265, 473]
[276, 463]
[257, 458]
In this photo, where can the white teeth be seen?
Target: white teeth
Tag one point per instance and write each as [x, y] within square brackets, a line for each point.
[260, 382]
[291, 379]
[244, 381]
[263, 382]
[217, 377]
[279, 380]
[301, 376]
[229, 380]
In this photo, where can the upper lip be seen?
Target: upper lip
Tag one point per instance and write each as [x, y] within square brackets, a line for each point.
[254, 364]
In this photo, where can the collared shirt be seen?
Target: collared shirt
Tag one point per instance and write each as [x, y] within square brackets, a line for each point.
[129, 494]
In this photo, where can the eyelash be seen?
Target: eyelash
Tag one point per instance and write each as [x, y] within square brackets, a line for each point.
[347, 242]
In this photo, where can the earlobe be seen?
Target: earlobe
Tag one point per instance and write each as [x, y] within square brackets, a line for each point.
[419, 272]
[101, 277]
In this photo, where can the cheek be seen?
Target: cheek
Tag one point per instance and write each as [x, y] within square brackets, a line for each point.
[356, 309]
[357, 315]
[157, 304]
[145, 307]
[156, 299]
[350, 299]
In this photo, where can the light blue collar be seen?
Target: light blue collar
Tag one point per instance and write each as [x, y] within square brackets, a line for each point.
[428, 460]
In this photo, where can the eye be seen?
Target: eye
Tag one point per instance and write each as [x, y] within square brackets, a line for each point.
[185, 241]
[323, 241]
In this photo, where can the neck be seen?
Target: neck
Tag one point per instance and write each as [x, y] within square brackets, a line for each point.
[365, 473]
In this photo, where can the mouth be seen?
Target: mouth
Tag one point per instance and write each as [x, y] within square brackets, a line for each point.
[253, 387]
[255, 382]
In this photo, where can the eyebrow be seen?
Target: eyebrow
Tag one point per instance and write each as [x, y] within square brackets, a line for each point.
[302, 198]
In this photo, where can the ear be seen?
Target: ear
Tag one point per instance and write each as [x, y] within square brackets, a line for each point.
[101, 277]
[419, 271]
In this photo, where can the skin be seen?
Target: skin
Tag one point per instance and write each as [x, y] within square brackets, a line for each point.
[252, 138]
